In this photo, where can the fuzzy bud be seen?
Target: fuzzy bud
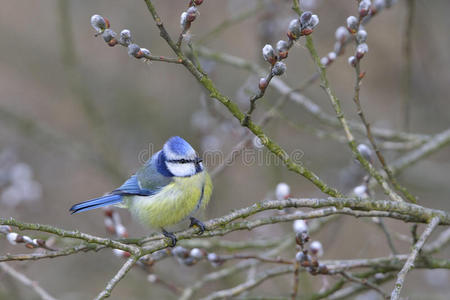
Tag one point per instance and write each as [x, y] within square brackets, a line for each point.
[99, 23]
[352, 24]
[269, 54]
[192, 13]
[300, 256]
[40, 243]
[299, 226]
[308, 22]
[262, 84]
[332, 56]
[27, 240]
[341, 34]
[180, 252]
[257, 143]
[213, 256]
[109, 224]
[316, 248]
[378, 5]
[214, 259]
[121, 231]
[5, 229]
[305, 18]
[197, 253]
[314, 21]
[301, 238]
[364, 8]
[108, 212]
[283, 190]
[125, 37]
[365, 152]
[361, 50]
[109, 36]
[361, 36]
[183, 20]
[361, 191]
[294, 30]
[152, 278]
[352, 61]
[278, 69]
[12, 238]
[282, 49]
[120, 253]
[339, 47]
[145, 52]
[324, 61]
[134, 50]
[188, 261]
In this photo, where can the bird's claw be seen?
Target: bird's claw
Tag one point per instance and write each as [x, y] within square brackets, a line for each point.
[171, 236]
[199, 224]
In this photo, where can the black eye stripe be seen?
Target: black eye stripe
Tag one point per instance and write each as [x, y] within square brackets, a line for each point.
[184, 161]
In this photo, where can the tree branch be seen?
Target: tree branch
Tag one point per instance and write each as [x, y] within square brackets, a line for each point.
[26, 281]
[119, 276]
[412, 257]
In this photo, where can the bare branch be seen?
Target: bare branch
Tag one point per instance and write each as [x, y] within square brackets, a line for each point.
[119, 276]
[26, 281]
[412, 257]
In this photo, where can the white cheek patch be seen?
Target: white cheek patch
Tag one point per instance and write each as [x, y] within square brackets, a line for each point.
[181, 170]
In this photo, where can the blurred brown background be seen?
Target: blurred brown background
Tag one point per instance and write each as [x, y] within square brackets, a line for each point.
[78, 113]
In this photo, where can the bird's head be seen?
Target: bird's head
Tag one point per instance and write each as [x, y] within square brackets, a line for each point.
[178, 158]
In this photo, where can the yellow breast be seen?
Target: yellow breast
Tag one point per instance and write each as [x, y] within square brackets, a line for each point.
[173, 203]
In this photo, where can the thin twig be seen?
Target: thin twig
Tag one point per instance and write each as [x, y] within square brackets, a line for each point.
[380, 157]
[437, 142]
[412, 257]
[346, 293]
[249, 284]
[131, 261]
[364, 282]
[51, 254]
[163, 59]
[381, 224]
[295, 279]
[26, 281]
[276, 260]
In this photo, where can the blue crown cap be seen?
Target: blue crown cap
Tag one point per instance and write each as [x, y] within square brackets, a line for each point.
[178, 147]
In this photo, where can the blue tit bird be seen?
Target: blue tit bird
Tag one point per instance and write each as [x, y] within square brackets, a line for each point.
[169, 188]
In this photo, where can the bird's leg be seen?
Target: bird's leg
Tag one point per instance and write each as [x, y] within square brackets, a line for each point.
[171, 236]
[199, 224]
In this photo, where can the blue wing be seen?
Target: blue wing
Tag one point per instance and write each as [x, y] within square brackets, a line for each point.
[130, 187]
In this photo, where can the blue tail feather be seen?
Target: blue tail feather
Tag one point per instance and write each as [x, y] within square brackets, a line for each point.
[96, 203]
